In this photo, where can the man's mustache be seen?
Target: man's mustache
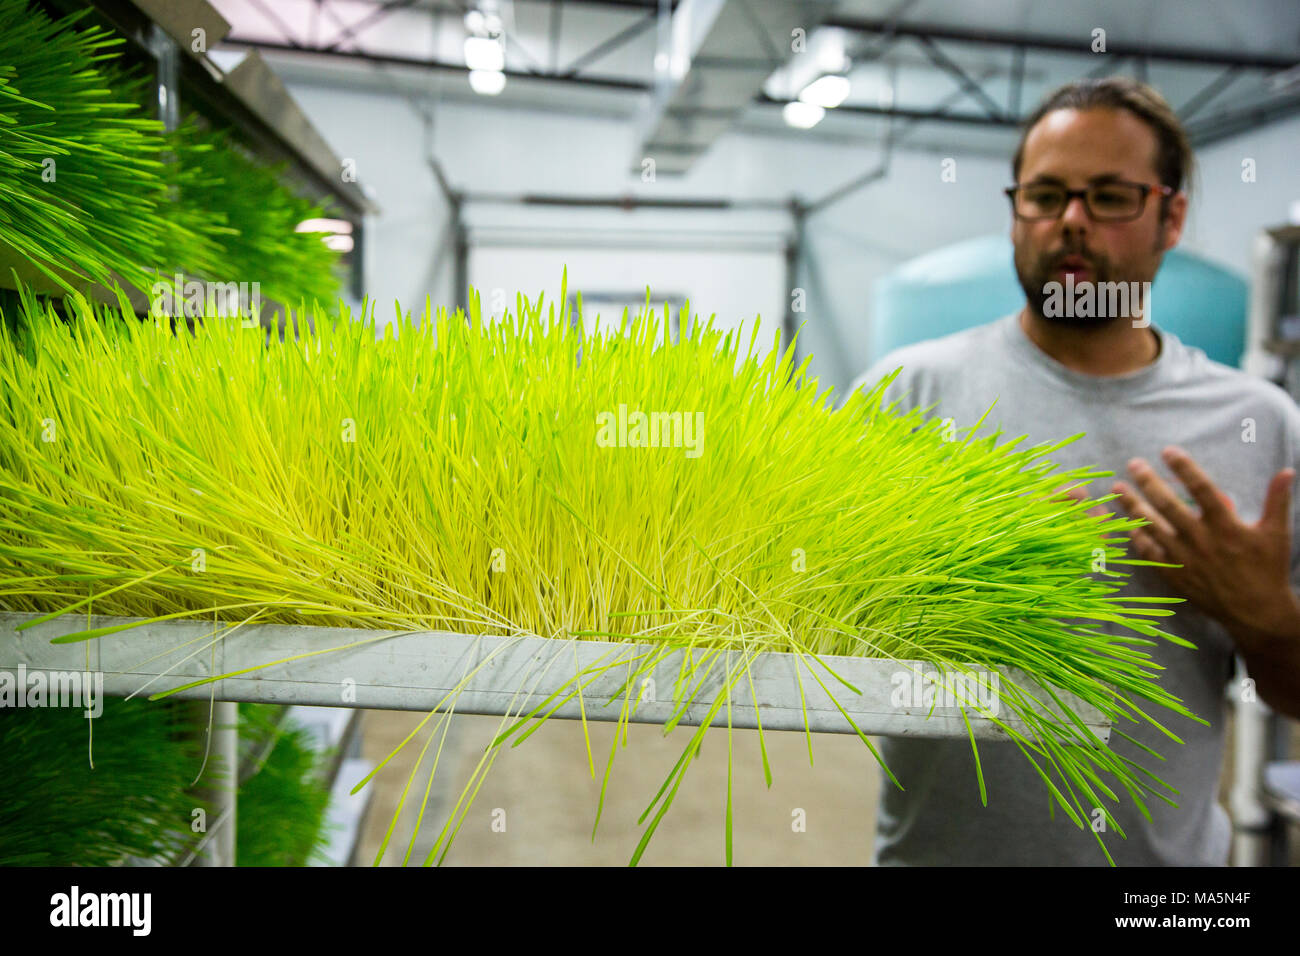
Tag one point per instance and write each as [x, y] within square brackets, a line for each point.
[1056, 258]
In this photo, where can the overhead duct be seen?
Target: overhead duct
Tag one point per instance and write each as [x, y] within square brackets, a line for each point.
[714, 56]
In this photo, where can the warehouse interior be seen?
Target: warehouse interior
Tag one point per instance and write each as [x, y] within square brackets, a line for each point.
[675, 153]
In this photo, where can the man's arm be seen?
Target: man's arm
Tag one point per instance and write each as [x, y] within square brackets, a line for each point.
[1272, 656]
[1236, 572]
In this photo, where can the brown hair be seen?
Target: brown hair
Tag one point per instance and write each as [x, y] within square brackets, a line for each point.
[1173, 154]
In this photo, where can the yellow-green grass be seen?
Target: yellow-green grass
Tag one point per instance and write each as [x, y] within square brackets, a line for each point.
[447, 475]
[77, 793]
[94, 191]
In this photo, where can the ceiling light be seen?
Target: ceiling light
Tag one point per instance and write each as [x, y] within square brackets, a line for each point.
[802, 115]
[829, 50]
[487, 82]
[483, 23]
[324, 225]
[484, 54]
[827, 92]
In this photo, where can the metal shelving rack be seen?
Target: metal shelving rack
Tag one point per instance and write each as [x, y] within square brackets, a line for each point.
[490, 674]
[250, 99]
[1265, 796]
[495, 675]
[170, 40]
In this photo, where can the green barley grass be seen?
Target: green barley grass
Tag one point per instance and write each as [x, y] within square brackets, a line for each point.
[135, 802]
[58, 774]
[94, 191]
[282, 793]
[82, 194]
[245, 217]
[446, 475]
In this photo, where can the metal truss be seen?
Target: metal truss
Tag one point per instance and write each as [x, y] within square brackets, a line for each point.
[877, 37]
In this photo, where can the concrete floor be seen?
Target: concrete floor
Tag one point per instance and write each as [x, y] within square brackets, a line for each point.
[542, 798]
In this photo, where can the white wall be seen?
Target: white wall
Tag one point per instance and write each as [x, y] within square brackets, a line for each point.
[1227, 213]
[849, 245]
[401, 245]
[865, 236]
[493, 149]
[735, 287]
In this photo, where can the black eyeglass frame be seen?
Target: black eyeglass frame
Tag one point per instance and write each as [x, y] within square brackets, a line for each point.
[1146, 190]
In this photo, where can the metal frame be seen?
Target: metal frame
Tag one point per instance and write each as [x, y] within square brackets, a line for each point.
[507, 676]
[457, 199]
[1020, 44]
[250, 100]
[156, 45]
[387, 59]
[496, 675]
[1031, 41]
[1200, 134]
[884, 33]
[349, 33]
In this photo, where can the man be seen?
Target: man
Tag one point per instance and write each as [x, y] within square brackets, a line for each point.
[1099, 198]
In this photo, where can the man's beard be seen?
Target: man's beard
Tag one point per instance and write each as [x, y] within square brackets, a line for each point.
[1037, 271]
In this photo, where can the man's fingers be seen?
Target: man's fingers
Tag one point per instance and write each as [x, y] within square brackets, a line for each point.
[1146, 546]
[1277, 502]
[1136, 507]
[1178, 517]
[1160, 531]
[1196, 481]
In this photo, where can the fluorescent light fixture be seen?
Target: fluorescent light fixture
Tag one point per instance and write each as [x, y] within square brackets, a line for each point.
[482, 53]
[825, 54]
[802, 115]
[829, 50]
[487, 82]
[482, 23]
[324, 225]
[828, 92]
[338, 243]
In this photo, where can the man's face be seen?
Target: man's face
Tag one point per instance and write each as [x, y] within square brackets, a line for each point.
[1076, 148]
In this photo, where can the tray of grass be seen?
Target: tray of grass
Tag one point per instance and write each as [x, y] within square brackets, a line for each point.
[693, 526]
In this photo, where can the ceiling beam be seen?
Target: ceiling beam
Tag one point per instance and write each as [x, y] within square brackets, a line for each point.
[1209, 130]
[385, 59]
[722, 52]
[1030, 41]
[611, 44]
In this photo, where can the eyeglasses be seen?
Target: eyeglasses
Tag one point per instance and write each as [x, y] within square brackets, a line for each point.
[1115, 201]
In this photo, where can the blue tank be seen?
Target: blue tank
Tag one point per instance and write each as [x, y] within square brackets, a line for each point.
[973, 282]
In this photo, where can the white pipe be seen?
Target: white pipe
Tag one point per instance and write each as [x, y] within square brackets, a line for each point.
[1251, 819]
[217, 848]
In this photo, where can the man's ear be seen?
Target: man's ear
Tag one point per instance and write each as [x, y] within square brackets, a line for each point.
[1171, 228]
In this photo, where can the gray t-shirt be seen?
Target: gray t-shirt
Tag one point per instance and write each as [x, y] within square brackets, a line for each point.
[1242, 431]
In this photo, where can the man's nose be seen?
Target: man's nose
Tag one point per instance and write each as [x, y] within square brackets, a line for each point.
[1075, 213]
